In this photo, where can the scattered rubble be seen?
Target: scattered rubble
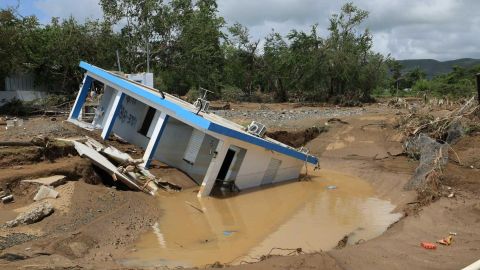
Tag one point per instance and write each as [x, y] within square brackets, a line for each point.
[15, 122]
[33, 215]
[7, 198]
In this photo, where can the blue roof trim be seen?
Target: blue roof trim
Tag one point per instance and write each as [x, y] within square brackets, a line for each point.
[180, 112]
[190, 117]
[263, 143]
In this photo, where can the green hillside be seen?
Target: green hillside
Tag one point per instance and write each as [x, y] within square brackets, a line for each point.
[433, 67]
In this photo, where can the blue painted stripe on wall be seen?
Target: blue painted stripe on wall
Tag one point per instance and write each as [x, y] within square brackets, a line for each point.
[187, 116]
[260, 142]
[82, 97]
[180, 112]
[155, 145]
[115, 114]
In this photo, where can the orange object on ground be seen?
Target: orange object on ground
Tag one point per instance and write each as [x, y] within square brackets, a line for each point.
[447, 241]
[428, 245]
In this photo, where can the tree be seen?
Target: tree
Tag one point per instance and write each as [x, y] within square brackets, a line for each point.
[15, 33]
[201, 58]
[307, 64]
[241, 60]
[185, 43]
[413, 76]
[347, 51]
[137, 33]
[395, 69]
[276, 62]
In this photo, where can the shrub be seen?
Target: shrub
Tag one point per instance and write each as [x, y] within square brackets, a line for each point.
[16, 107]
[232, 94]
[193, 94]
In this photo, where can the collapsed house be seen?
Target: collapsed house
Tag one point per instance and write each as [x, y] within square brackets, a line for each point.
[211, 150]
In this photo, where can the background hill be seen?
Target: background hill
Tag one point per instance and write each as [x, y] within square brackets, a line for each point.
[434, 67]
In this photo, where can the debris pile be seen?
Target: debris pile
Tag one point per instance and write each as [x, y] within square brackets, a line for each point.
[429, 140]
[440, 128]
[121, 166]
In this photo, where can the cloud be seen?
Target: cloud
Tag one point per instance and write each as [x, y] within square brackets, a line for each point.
[79, 9]
[440, 29]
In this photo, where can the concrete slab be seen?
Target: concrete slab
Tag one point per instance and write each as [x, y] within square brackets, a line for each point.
[116, 154]
[45, 192]
[33, 215]
[53, 181]
[105, 164]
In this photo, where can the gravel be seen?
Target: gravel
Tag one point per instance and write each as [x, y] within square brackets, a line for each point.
[277, 117]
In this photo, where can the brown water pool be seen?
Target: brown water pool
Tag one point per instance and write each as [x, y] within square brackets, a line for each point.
[313, 215]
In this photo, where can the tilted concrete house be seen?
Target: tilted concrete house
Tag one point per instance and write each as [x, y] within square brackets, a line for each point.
[205, 146]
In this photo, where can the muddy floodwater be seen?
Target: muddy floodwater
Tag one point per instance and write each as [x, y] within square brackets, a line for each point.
[313, 215]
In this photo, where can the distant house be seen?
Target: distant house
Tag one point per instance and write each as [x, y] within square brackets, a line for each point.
[22, 87]
[210, 149]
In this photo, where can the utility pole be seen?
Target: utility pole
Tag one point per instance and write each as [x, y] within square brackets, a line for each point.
[148, 57]
[118, 62]
[478, 87]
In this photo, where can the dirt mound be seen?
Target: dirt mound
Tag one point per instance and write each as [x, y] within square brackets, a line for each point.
[296, 138]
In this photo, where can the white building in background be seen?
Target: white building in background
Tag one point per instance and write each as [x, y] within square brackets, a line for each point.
[143, 78]
[21, 87]
[210, 149]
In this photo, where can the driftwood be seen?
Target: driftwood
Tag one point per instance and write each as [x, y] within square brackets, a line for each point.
[415, 124]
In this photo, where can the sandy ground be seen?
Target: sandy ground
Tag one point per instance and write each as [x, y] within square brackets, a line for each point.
[94, 224]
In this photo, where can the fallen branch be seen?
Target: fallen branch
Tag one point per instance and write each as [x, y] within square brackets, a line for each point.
[331, 120]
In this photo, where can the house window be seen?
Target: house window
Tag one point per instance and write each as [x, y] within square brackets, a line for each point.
[193, 146]
[147, 122]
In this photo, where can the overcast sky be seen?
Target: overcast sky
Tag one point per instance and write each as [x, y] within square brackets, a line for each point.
[407, 29]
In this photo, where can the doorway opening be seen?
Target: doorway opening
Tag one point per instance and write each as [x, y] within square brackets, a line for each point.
[147, 122]
[227, 163]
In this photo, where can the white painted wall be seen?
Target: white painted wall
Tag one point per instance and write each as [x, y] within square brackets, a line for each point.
[172, 146]
[22, 82]
[106, 102]
[173, 143]
[6, 96]
[129, 121]
[256, 161]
